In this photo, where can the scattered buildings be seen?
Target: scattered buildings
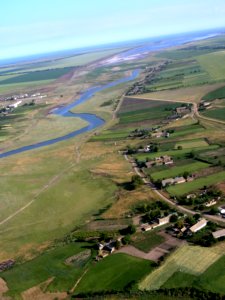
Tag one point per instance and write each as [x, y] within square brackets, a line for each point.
[158, 222]
[158, 161]
[198, 226]
[210, 203]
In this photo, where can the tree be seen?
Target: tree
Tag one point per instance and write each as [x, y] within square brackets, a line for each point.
[136, 181]
[186, 174]
[117, 245]
[179, 147]
[126, 240]
[173, 218]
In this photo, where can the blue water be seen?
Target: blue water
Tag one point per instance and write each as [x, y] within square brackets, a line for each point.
[64, 111]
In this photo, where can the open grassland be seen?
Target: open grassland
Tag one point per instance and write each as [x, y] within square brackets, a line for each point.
[184, 188]
[50, 264]
[174, 153]
[215, 113]
[186, 259]
[30, 124]
[214, 64]
[176, 171]
[196, 143]
[59, 191]
[114, 273]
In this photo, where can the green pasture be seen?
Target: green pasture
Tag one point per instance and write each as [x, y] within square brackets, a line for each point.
[114, 272]
[50, 264]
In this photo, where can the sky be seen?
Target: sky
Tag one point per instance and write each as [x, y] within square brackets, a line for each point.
[30, 27]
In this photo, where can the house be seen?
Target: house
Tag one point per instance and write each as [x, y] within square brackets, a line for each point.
[167, 181]
[219, 233]
[178, 180]
[198, 226]
[210, 203]
[167, 160]
[164, 220]
[182, 110]
[191, 196]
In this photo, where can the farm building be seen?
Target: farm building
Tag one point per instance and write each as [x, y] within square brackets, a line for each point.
[178, 180]
[219, 233]
[167, 181]
[210, 203]
[164, 220]
[198, 226]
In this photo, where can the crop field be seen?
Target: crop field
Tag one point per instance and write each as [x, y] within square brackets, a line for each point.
[176, 171]
[50, 264]
[215, 94]
[114, 273]
[213, 64]
[186, 259]
[184, 188]
[179, 74]
[184, 94]
[175, 153]
[215, 113]
[131, 110]
[197, 143]
[37, 76]
[212, 279]
[145, 241]
[186, 130]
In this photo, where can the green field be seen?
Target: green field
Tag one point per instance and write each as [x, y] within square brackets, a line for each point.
[196, 143]
[187, 130]
[215, 113]
[37, 76]
[212, 279]
[216, 94]
[154, 113]
[186, 259]
[174, 153]
[184, 188]
[176, 171]
[114, 273]
[49, 264]
[213, 64]
[112, 135]
[145, 241]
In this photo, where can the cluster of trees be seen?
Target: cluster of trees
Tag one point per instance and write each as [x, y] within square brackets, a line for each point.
[131, 292]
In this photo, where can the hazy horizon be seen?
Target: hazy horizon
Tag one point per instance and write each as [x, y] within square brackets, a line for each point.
[36, 27]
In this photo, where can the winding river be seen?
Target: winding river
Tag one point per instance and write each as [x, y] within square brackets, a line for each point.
[93, 120]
